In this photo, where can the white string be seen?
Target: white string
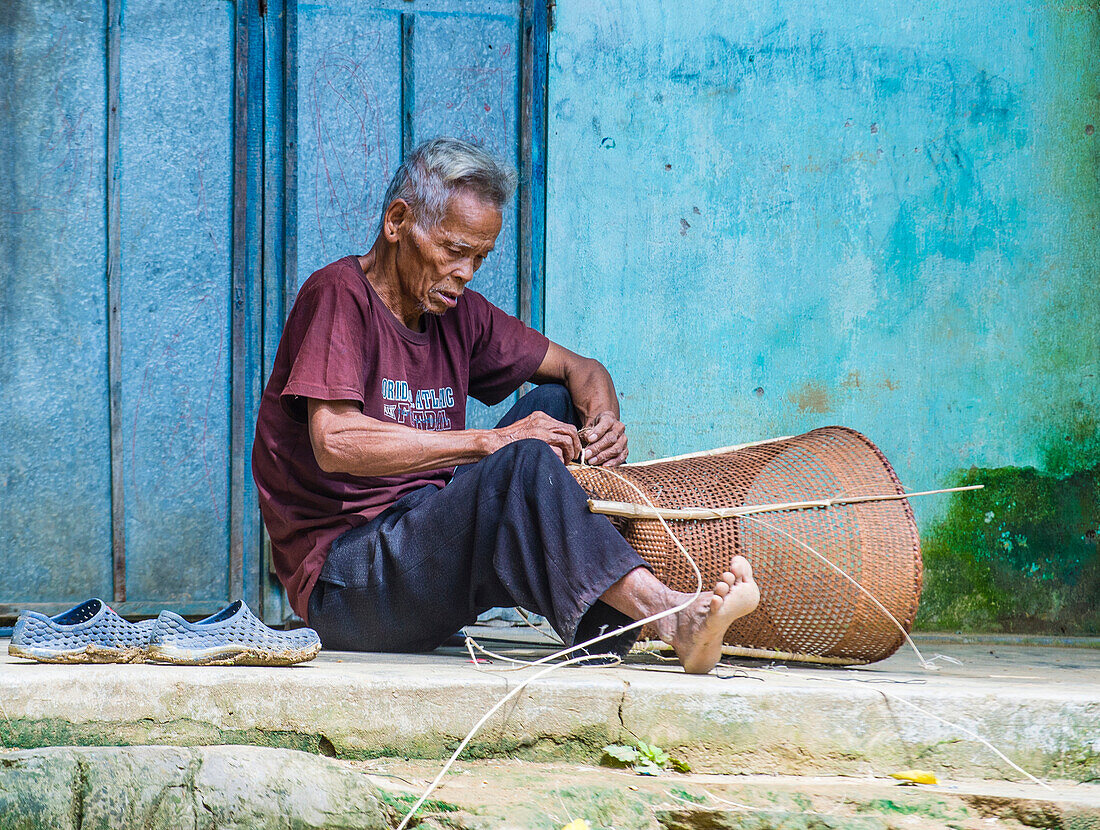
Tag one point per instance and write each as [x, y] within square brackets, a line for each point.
[556, 640]
[471, 643]
[973, 735]
[923, 711]
[716, 798]
[565, 651]
[469, 736]
[926, 664]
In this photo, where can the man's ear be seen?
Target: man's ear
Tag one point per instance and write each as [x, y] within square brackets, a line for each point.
[396, 214]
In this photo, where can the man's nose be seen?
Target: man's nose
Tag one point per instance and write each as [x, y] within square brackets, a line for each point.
[465, 270]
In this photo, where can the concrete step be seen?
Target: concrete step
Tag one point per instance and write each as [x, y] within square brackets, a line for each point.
[1038, 706]
[253, 788]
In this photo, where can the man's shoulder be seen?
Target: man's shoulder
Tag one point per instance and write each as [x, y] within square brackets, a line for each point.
[475, 306]
[344, 273]
[471, 301]
[337, 291]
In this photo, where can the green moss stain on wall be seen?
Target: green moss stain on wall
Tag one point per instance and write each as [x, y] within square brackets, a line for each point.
[1022, 555]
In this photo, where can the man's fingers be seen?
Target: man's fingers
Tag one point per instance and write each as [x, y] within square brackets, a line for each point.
[611, 456]
[563, 437]
[598, 427]
[606, 441]
[571, 441]
[617, 461]
[606, 438]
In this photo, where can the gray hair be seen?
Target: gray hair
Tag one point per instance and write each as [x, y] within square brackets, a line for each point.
[438, 168]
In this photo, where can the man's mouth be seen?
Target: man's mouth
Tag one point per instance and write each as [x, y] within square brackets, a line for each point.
[450, 300]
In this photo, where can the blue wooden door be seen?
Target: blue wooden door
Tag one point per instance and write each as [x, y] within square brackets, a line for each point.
[169, 175]
[120, 265]
[369, 81]
[362, 83]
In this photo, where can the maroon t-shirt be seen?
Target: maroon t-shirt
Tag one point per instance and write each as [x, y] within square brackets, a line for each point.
[341, 342]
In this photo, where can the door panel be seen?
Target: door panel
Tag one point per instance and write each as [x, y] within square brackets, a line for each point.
[176, 105]
[372, 78]
[117, 213]
[55, 474]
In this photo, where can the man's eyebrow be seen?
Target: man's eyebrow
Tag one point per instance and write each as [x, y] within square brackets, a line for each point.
[455, 242]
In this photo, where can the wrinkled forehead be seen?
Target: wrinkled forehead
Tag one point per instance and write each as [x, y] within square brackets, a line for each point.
[469, 219]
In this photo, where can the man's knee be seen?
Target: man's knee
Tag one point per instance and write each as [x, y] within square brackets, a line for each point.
[529, 460]
[555, 400]
[527, 452]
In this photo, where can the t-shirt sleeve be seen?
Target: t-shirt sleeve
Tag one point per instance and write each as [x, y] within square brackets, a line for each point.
[327, 328]
[505, 351]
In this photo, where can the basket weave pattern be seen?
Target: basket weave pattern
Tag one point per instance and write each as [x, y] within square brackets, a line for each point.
[806, 608]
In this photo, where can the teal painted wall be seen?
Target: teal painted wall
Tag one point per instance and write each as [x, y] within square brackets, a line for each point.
[770, 217]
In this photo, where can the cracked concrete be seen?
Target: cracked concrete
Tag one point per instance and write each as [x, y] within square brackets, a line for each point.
[1040, 706]
[203, 788]
[155, 787]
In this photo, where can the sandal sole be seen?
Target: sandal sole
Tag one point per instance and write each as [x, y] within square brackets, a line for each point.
[232, 655]
[90, 653]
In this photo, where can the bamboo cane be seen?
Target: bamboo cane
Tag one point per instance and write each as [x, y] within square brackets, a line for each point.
[630, 510]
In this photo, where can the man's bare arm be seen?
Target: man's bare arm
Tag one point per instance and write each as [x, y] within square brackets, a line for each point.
[347, 441]
[593, 392]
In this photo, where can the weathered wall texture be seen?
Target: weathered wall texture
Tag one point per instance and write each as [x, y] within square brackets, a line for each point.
[770, 217]
[170, 162]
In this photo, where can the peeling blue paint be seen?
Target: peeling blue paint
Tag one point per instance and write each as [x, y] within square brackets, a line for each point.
[897, 224]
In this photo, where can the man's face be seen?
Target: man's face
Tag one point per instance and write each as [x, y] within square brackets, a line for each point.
[434, 264]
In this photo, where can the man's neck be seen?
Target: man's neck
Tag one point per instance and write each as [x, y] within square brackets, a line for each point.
[379, 266]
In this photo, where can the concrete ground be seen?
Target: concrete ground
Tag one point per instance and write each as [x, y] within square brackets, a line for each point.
[810, 731]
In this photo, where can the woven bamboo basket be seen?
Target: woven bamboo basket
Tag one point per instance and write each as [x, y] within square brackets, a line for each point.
[807, 610]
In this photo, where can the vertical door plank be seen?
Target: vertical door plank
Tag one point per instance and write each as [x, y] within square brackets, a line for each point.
[176, 116]
[247, 233]
[349, 104]
[114, 301]
[277, 245]
[55, 488]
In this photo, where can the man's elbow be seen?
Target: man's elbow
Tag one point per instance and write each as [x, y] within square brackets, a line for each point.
[588, 368]
[325, 452]
[327, 461]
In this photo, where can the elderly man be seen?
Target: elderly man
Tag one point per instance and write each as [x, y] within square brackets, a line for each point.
[392, 525]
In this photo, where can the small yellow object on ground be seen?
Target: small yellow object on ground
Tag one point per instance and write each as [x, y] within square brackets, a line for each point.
[577, 824]
[915, 776]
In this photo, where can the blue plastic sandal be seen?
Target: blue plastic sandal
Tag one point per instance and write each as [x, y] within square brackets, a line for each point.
[87, 633]
[232, 637]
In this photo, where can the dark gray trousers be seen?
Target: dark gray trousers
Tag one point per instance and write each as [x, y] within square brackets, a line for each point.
[512, 529]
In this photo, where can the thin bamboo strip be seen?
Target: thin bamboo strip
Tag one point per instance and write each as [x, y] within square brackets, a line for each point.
[630, 510]
[649, 646]
[705, 453]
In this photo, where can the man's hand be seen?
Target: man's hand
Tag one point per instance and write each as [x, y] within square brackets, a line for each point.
[604, 439]
[562, 438]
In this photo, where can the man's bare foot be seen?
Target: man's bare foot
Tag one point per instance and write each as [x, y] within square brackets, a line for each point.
[696, 632]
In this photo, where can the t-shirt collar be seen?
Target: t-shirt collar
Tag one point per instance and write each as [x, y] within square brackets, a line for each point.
[384, 310]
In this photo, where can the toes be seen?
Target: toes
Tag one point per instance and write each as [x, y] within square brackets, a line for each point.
[741, 568]
[715, 603]
[721, 588]
[729, 578]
